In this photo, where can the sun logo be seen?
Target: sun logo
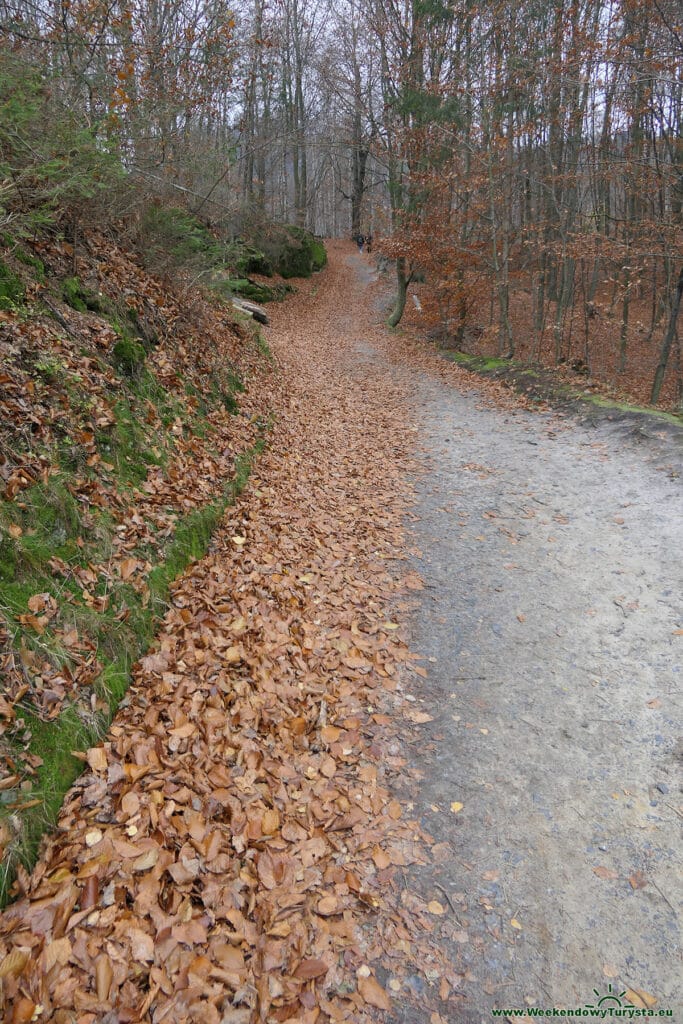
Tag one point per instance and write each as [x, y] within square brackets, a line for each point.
[610, 997]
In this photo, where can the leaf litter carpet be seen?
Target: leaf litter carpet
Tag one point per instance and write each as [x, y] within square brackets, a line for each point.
[233, 852]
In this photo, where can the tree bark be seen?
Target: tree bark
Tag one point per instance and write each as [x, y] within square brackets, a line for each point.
[667, 342]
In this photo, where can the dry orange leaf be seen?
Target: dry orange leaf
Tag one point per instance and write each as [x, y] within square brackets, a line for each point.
[127, 567]
[310, 969]
[57, 952]
[270, 822]
[103, 977]
[603, 872]
[638, 880]
[434, 907]
[24, 1010]
[146, 860]
[373, 993]
[643, 1000]
[97, 759]
[141, 944]
[327, 905]
[381, 858]
[418, 717]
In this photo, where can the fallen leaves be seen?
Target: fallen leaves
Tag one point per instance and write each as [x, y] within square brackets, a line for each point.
[418, 717]
[229, 842]
[373, 993]
[643, 1000]
[603, 872]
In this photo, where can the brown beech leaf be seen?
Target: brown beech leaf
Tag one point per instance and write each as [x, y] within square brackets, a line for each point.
[13, 964]
[373, 993]
[603, 872]
[418, 717]
[643, 1000]
[381, 858]
[311, 968]
[327, 905]
[127, 567]
[24, 1010]
[97, 759]
[104, 975]
[141, 944]
[638, 880]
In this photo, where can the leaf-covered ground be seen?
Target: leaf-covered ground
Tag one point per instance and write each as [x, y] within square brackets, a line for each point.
[125, 430]
[233, 852]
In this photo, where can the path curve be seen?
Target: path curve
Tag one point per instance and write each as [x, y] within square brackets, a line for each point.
[551, 615]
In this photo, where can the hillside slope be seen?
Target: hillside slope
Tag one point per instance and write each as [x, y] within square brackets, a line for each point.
[131, 407]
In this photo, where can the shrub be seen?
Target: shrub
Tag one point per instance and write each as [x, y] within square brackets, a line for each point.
[172, 236]
[57, 164]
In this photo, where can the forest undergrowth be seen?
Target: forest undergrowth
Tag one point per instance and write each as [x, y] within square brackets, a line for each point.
[128, 424]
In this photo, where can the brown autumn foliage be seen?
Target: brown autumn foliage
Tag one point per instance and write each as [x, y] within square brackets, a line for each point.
[60, 395]
[233, 851]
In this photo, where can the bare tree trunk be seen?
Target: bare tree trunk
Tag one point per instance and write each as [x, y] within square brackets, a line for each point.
[402, 281]
[667, 342]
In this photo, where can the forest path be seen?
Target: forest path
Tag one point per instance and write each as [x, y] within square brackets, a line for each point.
[550, 555]
[235, 850]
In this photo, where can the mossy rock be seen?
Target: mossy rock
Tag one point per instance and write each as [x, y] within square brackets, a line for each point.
[128, 357]
[319, 254]
[253, 261]
[250, 290]
[12, 291]
[295, 252]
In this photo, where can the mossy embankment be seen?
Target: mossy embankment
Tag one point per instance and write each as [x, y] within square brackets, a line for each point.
[564, 388]
[132, 407]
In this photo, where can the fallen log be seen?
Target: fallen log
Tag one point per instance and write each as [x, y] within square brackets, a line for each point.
[257, 312]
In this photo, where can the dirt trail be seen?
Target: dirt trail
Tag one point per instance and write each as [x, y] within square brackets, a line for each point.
[235, 851]
[550, 553]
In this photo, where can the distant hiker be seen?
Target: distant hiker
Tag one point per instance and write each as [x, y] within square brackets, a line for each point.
[368, 243]
[361, 243]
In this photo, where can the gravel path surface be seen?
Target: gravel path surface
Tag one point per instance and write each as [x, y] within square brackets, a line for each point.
[551, 558]
[551, 614]
[550, 551]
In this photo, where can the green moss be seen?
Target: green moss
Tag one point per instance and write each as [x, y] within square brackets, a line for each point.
[29, 260]
[12, 291]
[480, 364]
[82, 299]
[252, 261]
[319, 254]
[128, 357]
[53, 742]
[609, 403]
[123, 632]
[130, 450]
